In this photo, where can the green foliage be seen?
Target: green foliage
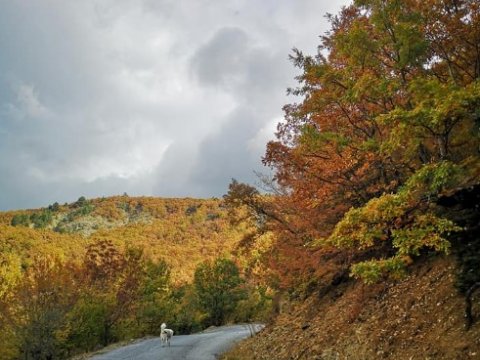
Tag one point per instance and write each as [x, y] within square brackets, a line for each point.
[373, 270]
[218, 289]
[154, 298]
[440, 122]
[80, 208]
[41, 220]
[125, 206]
[54, 207]
[426, 231]
[256, 306]
[187, 314]
[363, 227]
[406, 220]
[84, 210]
[20, 219]
[85, 323]
[313, 140]
[82, 201]
[430, 180]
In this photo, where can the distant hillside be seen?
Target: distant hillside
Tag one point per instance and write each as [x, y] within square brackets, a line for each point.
[80, 276]
[182, 231]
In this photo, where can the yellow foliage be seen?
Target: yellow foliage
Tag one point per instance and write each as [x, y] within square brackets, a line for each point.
[184, 232]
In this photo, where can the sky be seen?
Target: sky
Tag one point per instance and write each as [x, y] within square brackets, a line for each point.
[146, 97]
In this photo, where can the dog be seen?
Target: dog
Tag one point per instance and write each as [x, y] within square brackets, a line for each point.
[165, 334]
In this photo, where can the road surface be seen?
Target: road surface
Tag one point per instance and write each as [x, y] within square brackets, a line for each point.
[202, 346]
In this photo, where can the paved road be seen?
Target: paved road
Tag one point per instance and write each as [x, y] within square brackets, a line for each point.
[202, 346]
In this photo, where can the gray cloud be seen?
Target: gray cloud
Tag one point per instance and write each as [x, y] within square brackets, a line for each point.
[226, 155]
[167, 98]
[222, 61]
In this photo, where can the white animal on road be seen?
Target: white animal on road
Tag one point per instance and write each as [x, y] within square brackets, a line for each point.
[165, 334]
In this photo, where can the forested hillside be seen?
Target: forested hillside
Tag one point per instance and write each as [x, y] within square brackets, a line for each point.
[79, 276]
[376, 170]
[366, 243]
[184, 232]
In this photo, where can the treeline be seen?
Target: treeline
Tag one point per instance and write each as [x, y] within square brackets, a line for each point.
[55, 308]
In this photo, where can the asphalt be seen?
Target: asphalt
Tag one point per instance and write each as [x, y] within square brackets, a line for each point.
[207, 345]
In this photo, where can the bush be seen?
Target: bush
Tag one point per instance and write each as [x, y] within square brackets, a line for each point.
[20, 219]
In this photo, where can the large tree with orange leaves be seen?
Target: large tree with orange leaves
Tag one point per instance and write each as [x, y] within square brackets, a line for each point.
[389, 121]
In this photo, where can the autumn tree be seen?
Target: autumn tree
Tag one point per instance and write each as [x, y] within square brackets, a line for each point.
[154, 301]
[388, 122]
[46, 293]
[110, 280]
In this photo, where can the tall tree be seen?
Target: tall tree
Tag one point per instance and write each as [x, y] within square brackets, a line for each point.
[390, 103]
[218, 289]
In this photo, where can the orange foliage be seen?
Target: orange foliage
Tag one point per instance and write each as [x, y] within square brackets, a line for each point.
[365, 123]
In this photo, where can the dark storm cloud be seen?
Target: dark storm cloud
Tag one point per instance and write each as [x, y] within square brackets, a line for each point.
[168, 98]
